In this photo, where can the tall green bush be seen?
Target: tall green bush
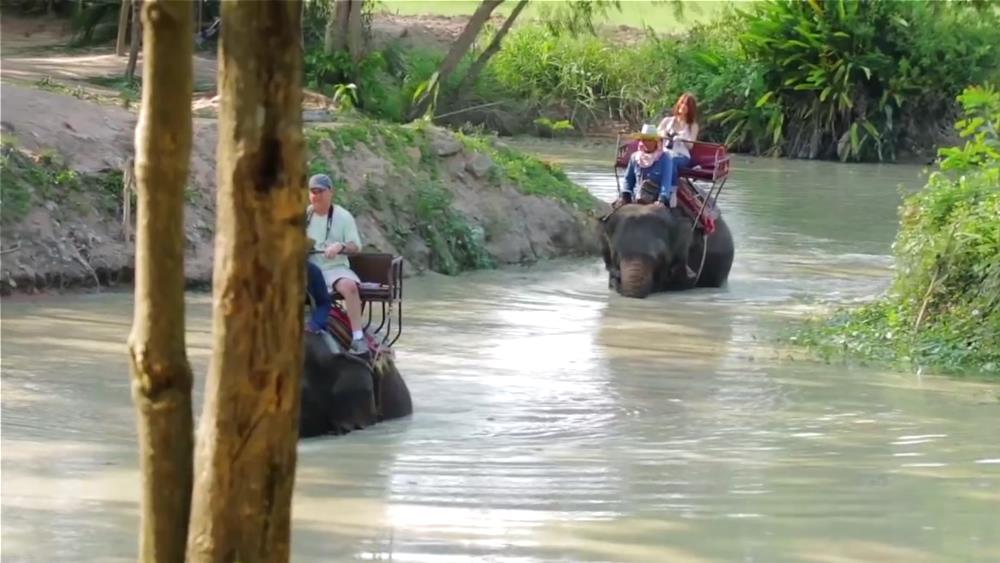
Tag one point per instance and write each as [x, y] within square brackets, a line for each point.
[943, 307]
[850, 76]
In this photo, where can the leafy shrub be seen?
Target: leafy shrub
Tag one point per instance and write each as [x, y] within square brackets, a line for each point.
[844, 71]
[943, 308]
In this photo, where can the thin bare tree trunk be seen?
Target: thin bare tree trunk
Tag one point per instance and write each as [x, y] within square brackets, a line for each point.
[245, 458]
[133, 53]
[161, 375]
[458, 50]
[469, 80]
[198, 17]
[123, 16]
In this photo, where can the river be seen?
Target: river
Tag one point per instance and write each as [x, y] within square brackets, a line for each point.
[556, 421]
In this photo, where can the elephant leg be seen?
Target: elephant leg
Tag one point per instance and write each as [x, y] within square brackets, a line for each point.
[719, 258]
[393, 395]
[352, 403]
[313, 418]
[636, 277]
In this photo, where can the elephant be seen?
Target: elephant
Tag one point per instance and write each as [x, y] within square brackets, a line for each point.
[341, 392]
[648, 248]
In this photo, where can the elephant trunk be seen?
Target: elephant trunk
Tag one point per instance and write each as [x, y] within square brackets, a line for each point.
[636, 277]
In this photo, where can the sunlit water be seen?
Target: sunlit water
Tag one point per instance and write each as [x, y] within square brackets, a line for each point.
[556, 421]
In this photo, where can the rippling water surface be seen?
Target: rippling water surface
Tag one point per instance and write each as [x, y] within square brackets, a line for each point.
[555, 421]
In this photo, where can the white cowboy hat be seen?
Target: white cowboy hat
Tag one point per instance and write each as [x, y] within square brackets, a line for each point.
[648, 132]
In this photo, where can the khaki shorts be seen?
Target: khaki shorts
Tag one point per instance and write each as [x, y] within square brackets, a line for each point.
[332, 275]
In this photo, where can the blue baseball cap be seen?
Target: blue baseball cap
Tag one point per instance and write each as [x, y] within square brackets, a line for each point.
[320, 181]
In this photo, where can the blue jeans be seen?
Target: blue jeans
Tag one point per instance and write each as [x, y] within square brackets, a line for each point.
[317, 291]
[674, 163]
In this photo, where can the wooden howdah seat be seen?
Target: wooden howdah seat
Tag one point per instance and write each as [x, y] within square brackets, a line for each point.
[709, 163]
[381, 277]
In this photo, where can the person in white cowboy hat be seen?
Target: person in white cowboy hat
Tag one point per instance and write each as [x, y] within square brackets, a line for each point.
[650, 168]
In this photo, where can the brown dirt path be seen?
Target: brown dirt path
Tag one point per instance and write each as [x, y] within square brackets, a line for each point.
[34, 48]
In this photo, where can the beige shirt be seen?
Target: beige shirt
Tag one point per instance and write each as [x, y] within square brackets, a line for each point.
[681, 131]
[342, 228]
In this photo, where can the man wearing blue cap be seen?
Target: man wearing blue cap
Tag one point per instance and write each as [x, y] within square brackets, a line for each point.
[335, 235]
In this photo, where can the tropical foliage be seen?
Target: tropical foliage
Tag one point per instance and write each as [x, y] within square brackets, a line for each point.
[943, 308]
[855, 80]
[843, 77]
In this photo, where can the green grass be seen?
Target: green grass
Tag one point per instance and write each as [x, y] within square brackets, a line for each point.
[634, 13]
[28, 182]
[531, 175]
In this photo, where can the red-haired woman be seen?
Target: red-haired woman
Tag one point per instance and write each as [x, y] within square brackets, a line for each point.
[682, 129]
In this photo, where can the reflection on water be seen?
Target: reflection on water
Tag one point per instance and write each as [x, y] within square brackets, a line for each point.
[555, 421]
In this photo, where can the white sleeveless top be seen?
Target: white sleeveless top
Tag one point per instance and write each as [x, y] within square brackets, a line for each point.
[681, 131]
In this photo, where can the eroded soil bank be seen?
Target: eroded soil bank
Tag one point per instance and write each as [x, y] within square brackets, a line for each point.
[444, 201]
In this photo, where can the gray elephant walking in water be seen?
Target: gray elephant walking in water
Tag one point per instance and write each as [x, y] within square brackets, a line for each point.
[649, 248]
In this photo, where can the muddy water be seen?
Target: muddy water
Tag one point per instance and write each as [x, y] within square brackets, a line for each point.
[558, 422]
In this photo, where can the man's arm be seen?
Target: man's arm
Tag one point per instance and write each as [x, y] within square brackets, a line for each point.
[352, 239]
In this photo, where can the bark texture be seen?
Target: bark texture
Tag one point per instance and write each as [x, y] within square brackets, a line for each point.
[161, 375]
[336, 35]
[355, 31]
[133, 52]
[123, 16]
[245, 459]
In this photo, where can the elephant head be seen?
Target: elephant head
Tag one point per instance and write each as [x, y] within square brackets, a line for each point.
[644, 247]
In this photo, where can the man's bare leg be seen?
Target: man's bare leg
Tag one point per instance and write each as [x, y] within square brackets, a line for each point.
[352, 302]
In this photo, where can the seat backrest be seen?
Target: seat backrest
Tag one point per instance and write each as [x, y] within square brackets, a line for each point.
[374, 267]
[625, 151]
[707, 155]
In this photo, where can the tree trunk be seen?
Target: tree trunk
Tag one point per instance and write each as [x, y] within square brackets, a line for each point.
[245, 458]
[198, 15]
[458, 50]
[355, 31]
[335, 39]
[477, 67]
[161, 375]
[133, 53]
[123, 16]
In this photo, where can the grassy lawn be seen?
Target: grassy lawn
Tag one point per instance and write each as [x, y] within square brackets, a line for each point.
[657, 14]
